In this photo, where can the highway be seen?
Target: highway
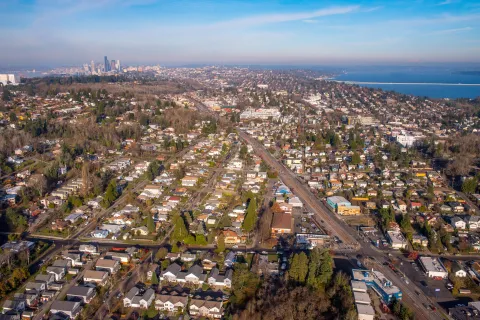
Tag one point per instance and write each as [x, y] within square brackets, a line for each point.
[336, 227]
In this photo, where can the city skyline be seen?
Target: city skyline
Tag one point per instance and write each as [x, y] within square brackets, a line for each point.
[52, 32]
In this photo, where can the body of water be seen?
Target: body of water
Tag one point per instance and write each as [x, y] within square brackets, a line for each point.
[419, 82]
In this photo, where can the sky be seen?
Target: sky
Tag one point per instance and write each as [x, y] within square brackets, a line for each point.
[293, 32]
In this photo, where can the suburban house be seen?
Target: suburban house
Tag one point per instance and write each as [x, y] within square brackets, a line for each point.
[206, 308]
[231, 237]
[35, 287]
[81, 294]
[174, 274]
[57, 272]
[97, 277]
[458, 223]
[70, 308]
[171, 303]
[189, 181]
[48, 279]
[109, 265]
[150, 192]
[215, 279]
[135, 298]
[473, 222]
[16, 305]
[120, 256]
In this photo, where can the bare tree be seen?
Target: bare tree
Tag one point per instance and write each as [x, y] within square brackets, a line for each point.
[39, 183]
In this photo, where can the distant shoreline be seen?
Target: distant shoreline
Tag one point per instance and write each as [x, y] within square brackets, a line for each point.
[408, 83]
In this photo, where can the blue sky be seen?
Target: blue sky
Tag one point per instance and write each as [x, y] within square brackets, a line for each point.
[70, 32]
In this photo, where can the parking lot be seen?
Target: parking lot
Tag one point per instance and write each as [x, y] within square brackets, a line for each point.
[435, 289]
[304, 223]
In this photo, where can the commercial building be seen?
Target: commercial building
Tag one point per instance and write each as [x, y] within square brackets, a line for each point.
[396, 239]
[365, 312]
[106, 64]
[377, 281]
[8, 79]
[358, 286]
[433, 268]
[361, 298]
[349, 210]
[337, 201]
[282, 223]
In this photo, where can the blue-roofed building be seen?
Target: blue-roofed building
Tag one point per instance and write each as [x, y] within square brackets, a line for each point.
[336, 201]
[282, 190]
[102, 234]
[377, 281]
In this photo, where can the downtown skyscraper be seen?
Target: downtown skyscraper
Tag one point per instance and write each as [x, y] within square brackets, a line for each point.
[107, 64]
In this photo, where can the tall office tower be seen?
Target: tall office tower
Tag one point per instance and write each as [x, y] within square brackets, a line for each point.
[92, 67]
[118, 65]
[107, 65]
[112, 65]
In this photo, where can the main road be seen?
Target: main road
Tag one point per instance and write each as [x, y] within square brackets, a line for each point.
[331, 225]
[337, 227]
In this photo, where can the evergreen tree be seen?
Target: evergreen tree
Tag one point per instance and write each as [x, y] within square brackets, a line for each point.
[302, 267]
[294, 266]
[150, 224]
[180, 231]
[356, 158]
[469, 185]
[154, 279]
[251, 216]
[220, 243]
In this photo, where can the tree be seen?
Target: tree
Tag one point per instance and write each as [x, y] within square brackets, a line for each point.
[13, 117]
[320, 268]
[220, 243]
[7, 95]
[16, 222]
[154, 279]
[150, 224]
[39, 183]
[355, 158]
[243, 152]
[111, 194]
[244, 285]
[299, 268]
[469, 185]
[180, 231]
[200, 240]
[161, 254]
[251, 216]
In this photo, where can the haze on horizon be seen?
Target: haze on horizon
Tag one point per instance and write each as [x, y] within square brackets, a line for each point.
[72, 32]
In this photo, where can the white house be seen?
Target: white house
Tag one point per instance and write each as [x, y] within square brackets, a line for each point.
[458, 223]
[136, 299]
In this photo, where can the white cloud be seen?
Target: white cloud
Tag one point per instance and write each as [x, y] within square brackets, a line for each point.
[447, 2]
[372, 9]
[452, 31]
[310, 21]
[284, 17]
[442, 19]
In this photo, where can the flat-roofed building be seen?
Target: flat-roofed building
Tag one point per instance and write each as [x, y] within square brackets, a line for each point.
[358, 286]
[433, 267]
[379, 283]
[365, 312]
[361, 298]
[396, 239]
